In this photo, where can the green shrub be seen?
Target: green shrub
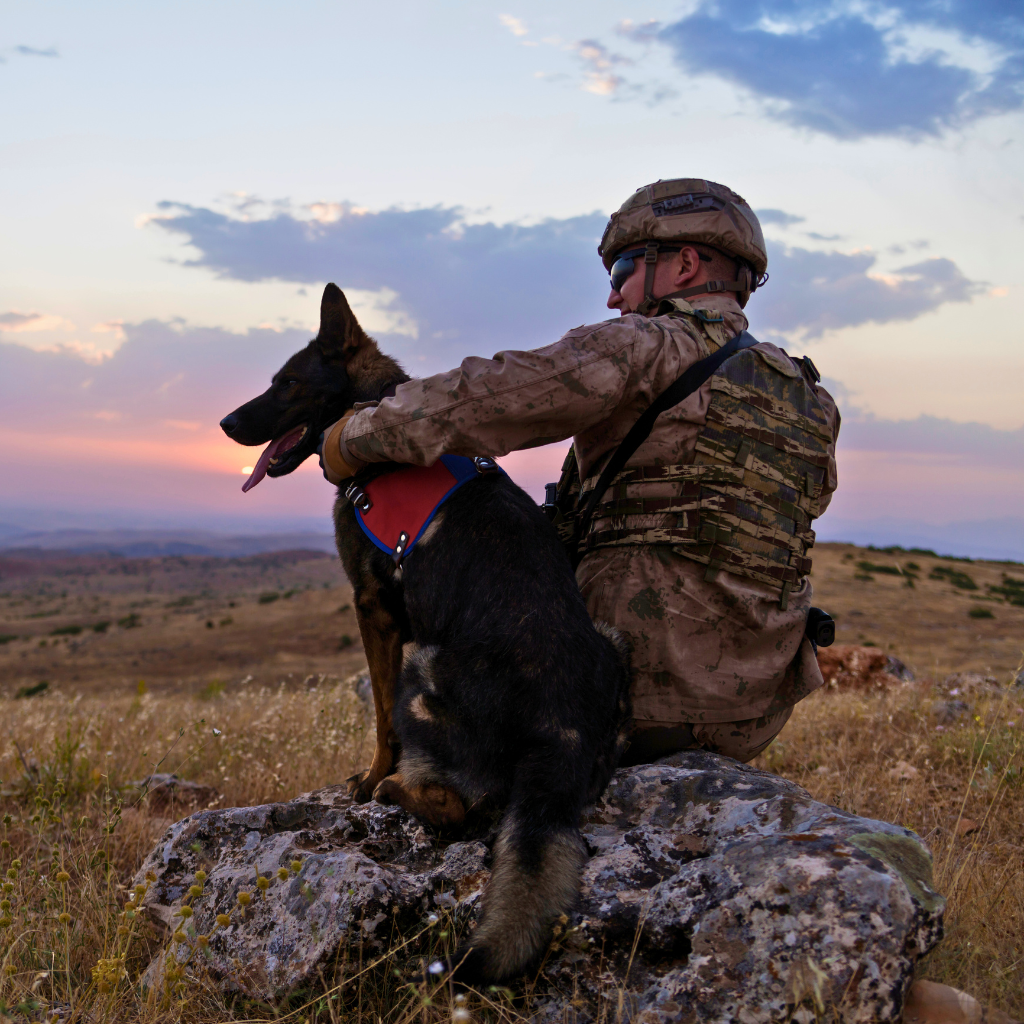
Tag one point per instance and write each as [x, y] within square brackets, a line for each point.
[1012, 590]
[268, 597]
[959, 579]
[981, 613]
[66, 631]
[32, 691]
[889, 570]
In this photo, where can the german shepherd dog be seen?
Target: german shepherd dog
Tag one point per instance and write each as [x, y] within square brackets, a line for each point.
[490, 682]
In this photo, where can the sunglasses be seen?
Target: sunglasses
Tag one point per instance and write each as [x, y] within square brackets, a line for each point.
[623, 267]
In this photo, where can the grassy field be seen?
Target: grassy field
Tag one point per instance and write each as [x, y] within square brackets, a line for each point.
[259, 709]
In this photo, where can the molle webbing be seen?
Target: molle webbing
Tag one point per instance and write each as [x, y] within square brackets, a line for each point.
[746, 502]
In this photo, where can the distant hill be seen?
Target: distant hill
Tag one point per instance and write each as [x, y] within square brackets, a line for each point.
[155, 543]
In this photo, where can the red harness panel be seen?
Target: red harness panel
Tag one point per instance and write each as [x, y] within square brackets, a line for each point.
[396, 508]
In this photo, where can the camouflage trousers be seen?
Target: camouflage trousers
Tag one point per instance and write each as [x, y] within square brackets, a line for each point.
[740, 740]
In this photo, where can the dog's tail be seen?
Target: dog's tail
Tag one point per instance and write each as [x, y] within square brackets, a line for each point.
[534, 882]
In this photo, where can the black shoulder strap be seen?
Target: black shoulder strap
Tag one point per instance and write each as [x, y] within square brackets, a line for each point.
[682, 388]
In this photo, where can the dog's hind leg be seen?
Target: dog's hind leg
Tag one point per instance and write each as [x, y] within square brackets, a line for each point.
[382, 642]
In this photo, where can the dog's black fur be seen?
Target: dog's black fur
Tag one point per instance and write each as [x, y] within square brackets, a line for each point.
[505, 691]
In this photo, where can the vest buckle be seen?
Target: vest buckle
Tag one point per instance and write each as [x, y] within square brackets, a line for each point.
[485, 464]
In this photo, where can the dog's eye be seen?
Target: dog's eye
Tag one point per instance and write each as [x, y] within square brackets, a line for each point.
[289, 382]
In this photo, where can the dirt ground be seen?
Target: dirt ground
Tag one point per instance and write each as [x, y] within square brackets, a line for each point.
[94, 625]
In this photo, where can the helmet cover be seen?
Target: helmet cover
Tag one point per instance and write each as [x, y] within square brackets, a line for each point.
[687, 210]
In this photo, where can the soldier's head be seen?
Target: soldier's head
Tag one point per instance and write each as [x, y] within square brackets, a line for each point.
[682, 238]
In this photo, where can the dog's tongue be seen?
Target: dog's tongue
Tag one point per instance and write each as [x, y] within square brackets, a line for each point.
[282, 444]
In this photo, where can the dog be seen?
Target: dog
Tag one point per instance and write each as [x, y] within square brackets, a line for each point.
[491, 684]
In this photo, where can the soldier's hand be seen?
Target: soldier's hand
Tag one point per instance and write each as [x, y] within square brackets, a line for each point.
[335, 467]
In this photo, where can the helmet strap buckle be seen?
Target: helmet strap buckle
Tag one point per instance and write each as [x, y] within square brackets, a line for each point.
[650, 266]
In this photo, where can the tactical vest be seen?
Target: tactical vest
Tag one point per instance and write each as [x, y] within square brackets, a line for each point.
[746, 502]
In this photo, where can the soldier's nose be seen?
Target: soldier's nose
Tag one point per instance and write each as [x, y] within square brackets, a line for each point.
[229, 423]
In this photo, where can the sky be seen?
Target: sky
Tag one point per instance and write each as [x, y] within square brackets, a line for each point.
[179, 181]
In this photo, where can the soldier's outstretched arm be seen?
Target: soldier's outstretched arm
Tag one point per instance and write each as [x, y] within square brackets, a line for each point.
[494, 406]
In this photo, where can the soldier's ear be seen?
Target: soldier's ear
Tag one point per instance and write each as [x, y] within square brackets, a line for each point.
[340, 335]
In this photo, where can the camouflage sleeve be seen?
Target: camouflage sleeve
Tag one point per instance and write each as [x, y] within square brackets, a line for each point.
[495, 406]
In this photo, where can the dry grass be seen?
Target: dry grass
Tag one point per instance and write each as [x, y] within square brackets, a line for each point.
[65, 764]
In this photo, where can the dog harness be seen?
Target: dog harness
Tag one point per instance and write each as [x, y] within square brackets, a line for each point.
[393, 510]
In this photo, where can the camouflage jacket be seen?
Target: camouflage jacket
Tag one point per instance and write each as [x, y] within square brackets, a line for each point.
[714, 651]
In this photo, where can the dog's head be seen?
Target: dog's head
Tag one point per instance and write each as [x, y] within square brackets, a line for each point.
[312, 390]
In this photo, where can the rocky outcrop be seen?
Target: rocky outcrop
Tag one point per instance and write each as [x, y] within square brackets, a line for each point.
[851, 667]
[714, 892]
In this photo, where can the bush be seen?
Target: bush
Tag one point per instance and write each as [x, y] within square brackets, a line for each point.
[889, 570]
[32, 691]
[981, 613]
[66, 631]
[959, 579]
[1012, 590]
[268, 597]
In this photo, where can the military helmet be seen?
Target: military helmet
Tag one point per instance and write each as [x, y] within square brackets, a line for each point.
[689, 210]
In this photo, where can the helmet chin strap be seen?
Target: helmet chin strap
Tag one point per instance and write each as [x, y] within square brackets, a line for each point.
[745, 282]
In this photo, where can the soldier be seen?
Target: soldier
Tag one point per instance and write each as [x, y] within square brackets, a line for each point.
[699, 549]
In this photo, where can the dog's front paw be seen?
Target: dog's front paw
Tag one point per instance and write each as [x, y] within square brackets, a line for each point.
[361, 786]
[389, 791]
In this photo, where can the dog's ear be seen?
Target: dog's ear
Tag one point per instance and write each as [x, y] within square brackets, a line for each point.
[340, 335]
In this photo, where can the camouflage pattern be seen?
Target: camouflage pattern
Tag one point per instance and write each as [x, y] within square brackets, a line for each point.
[742, 741]
[745, 502]
[705, 651]
[687, 210]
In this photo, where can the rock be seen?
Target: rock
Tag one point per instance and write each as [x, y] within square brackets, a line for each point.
[969, 683]
[931, 1003]
[849, 667]
[966, 826]
[166, 794]
[948, 711]
[903, 772]
[714, 891]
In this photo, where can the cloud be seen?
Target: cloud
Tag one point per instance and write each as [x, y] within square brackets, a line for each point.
[812, 292]
[515, 25]
[780, 217]
[599, 62]
[975, 443]
[31, 51]
[14, 322]
[465, 287]
[460, 287]
[906, 68]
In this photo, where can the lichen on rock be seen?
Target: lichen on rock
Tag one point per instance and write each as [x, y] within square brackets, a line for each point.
[714, 892]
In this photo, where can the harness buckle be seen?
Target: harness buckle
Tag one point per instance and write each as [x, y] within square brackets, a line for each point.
[485, 464]
[358, 497]
[400, 548]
